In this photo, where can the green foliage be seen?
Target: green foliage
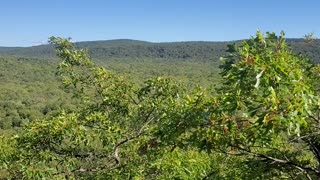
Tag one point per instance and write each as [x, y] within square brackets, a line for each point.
[116, 130]
[266, 107]
[261, 123]
[268, 84]
[30, 89]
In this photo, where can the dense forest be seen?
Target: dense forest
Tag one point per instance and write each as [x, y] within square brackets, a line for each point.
[126, 109]
[30, 89]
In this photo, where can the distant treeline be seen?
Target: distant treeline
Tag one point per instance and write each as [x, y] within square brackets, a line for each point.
[201, 50]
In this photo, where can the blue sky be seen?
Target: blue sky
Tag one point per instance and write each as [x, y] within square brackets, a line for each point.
[31, 22]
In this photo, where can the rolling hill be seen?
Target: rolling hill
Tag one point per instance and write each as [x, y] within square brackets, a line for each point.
[121, 48]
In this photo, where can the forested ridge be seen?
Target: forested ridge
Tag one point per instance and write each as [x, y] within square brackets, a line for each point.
[129, 109]
[197, 50]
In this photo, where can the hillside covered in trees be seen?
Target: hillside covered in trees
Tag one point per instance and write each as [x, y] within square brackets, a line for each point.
[136, 110]
[198, 51]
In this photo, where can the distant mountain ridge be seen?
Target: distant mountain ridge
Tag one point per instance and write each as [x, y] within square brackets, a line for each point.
[120, 48]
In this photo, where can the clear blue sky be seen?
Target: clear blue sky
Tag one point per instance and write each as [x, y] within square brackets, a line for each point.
[31, 22]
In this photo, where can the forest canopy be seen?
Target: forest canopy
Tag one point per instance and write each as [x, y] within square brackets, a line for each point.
[261, 122]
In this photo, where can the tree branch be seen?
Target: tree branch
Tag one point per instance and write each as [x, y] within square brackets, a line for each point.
[281, 161]
[117, 146]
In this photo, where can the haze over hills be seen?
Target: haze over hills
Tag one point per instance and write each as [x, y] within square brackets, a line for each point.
[120, 48]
